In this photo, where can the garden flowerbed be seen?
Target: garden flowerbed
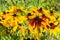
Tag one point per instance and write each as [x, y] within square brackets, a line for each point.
[33, 23]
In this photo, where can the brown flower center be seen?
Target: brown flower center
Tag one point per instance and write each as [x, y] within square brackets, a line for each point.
[36, 18]
[51, 24]
[4, 12]
[14, 15]
[3, 18]
[29, 14]
[40, 9]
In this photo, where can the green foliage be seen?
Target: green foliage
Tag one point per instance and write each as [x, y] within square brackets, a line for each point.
[6, 35]
[16, 35]
[51, 5]
[47, 36]
[46, 4]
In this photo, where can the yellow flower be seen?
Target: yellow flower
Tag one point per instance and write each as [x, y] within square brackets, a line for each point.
[5, 23]
[23, 30]
[13, 9]
[36, 17]
[21, 39]
[52, 18]
[22, 19]
[33, 9]
[1, 13]
[56, 23]
[54, 31]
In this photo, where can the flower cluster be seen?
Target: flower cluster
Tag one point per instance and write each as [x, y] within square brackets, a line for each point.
[37, 18]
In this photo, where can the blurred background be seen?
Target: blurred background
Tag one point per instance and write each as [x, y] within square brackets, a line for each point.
[46, 4]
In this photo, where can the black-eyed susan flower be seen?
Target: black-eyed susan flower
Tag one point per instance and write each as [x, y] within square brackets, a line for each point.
[52, 26]
[47, 20]
[38, 20]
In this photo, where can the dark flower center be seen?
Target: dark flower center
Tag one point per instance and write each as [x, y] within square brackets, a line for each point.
[0, 19]
[40, 9]
[19, 10]
[43, 15]
[19, 24]
[36, 18]
[4, 12]
[51, 11]
[29, 14]
[51, 24]
[3, 18]
[37, 21]
[14, 15]
[7, 12]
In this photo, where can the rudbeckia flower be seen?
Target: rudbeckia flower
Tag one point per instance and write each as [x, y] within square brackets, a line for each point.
[54, 31]
[38, 20]
[52, 26]
[9, 17]
[35, 18]
[48, 19]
